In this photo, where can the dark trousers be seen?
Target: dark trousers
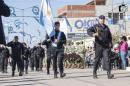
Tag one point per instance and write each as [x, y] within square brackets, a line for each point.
[32, 61]
[49, 58]
[58, 59]
[41, 63]
[26, 62]
[103, 54]
[4, 63]
[19, 62]
[0, 62]
[37, 61]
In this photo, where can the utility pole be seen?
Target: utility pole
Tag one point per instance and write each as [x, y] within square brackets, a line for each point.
[124, 20]
[23, 22]
[112, 12]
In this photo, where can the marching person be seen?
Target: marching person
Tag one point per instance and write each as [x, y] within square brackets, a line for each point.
[58, 41]
[17, 52]
[47, 42]
[25, 57]
[4, 11]
[103, 45]
[4, 59]
[40, 54]
[32, 58]
[1, 49]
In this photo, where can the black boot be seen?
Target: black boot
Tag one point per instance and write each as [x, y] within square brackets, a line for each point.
[55, 76]
[110, 76]
[6, 69]
[48, 71]
[26, 71]
[20, 73]
[95, 75]
[32, 69]
[13, 74]
[37, 69]
[57, 72]
[62, 75]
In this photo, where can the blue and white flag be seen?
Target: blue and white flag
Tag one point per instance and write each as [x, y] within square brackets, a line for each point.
[46, 18]
[68, 24]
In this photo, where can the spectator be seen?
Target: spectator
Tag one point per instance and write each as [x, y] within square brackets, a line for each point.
[123, 51]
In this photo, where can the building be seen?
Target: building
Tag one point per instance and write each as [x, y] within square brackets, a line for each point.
[93, 9]
[75, 11]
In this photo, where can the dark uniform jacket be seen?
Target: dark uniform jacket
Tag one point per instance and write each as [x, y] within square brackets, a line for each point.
[1, 49]
[104, 37]
[40, 51]
[47, 43]
[17, 49]
[62, 39]
[26, 53]
[4, 11]
[5, 53]
[33, 52]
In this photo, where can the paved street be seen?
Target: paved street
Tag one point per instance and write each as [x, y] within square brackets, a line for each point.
[75, 77]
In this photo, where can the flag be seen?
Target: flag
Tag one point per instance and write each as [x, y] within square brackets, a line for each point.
[68, 24]
[46, 18]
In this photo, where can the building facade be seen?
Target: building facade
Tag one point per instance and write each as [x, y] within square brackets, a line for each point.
[119, 22]
[86, 10]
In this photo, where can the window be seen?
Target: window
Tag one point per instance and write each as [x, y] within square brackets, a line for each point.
[109, 15]
[116, 17]
[121, 16]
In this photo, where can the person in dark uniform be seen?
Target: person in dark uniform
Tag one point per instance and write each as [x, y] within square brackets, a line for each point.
[4, 59]
[4, 11]
[17, 52]
[1, 49]
[40, 54]
[103, 45]
[32, 57]
[58, 41]
[25, 57]
[47, 42]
